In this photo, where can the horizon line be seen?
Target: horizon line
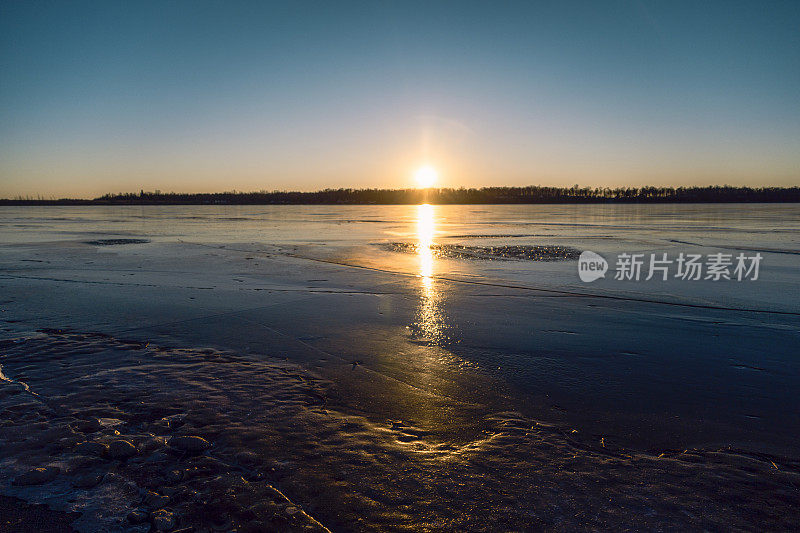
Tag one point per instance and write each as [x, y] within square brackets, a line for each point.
[443, 195]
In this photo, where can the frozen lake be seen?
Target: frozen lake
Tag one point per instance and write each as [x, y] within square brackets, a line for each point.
[440, 318]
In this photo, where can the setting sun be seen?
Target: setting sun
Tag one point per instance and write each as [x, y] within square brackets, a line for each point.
[426, 176]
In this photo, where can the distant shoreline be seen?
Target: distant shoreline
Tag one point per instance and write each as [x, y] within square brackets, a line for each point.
[483, 196]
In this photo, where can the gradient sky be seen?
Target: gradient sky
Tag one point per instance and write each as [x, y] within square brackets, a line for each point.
[209, 96]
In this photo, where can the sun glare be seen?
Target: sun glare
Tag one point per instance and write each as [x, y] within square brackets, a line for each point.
[426, 177]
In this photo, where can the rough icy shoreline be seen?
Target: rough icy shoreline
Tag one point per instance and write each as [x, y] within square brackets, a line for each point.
[263, 450]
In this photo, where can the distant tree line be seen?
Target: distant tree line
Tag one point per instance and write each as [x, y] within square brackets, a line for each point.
[485, 195]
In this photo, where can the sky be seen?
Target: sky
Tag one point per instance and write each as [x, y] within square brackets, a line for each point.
[99, 97]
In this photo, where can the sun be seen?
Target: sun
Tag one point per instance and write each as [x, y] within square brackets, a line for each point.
[426, 176]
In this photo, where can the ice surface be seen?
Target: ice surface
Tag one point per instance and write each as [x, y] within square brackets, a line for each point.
[384, 390]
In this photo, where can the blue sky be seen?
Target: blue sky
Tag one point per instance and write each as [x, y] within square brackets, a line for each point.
[204, 96]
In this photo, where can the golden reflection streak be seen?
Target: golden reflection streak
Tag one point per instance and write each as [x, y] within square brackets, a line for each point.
[425, 230]
[429, 319]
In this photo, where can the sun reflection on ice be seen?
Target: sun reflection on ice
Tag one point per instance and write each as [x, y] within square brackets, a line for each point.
[429, 318]
[425, 230]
